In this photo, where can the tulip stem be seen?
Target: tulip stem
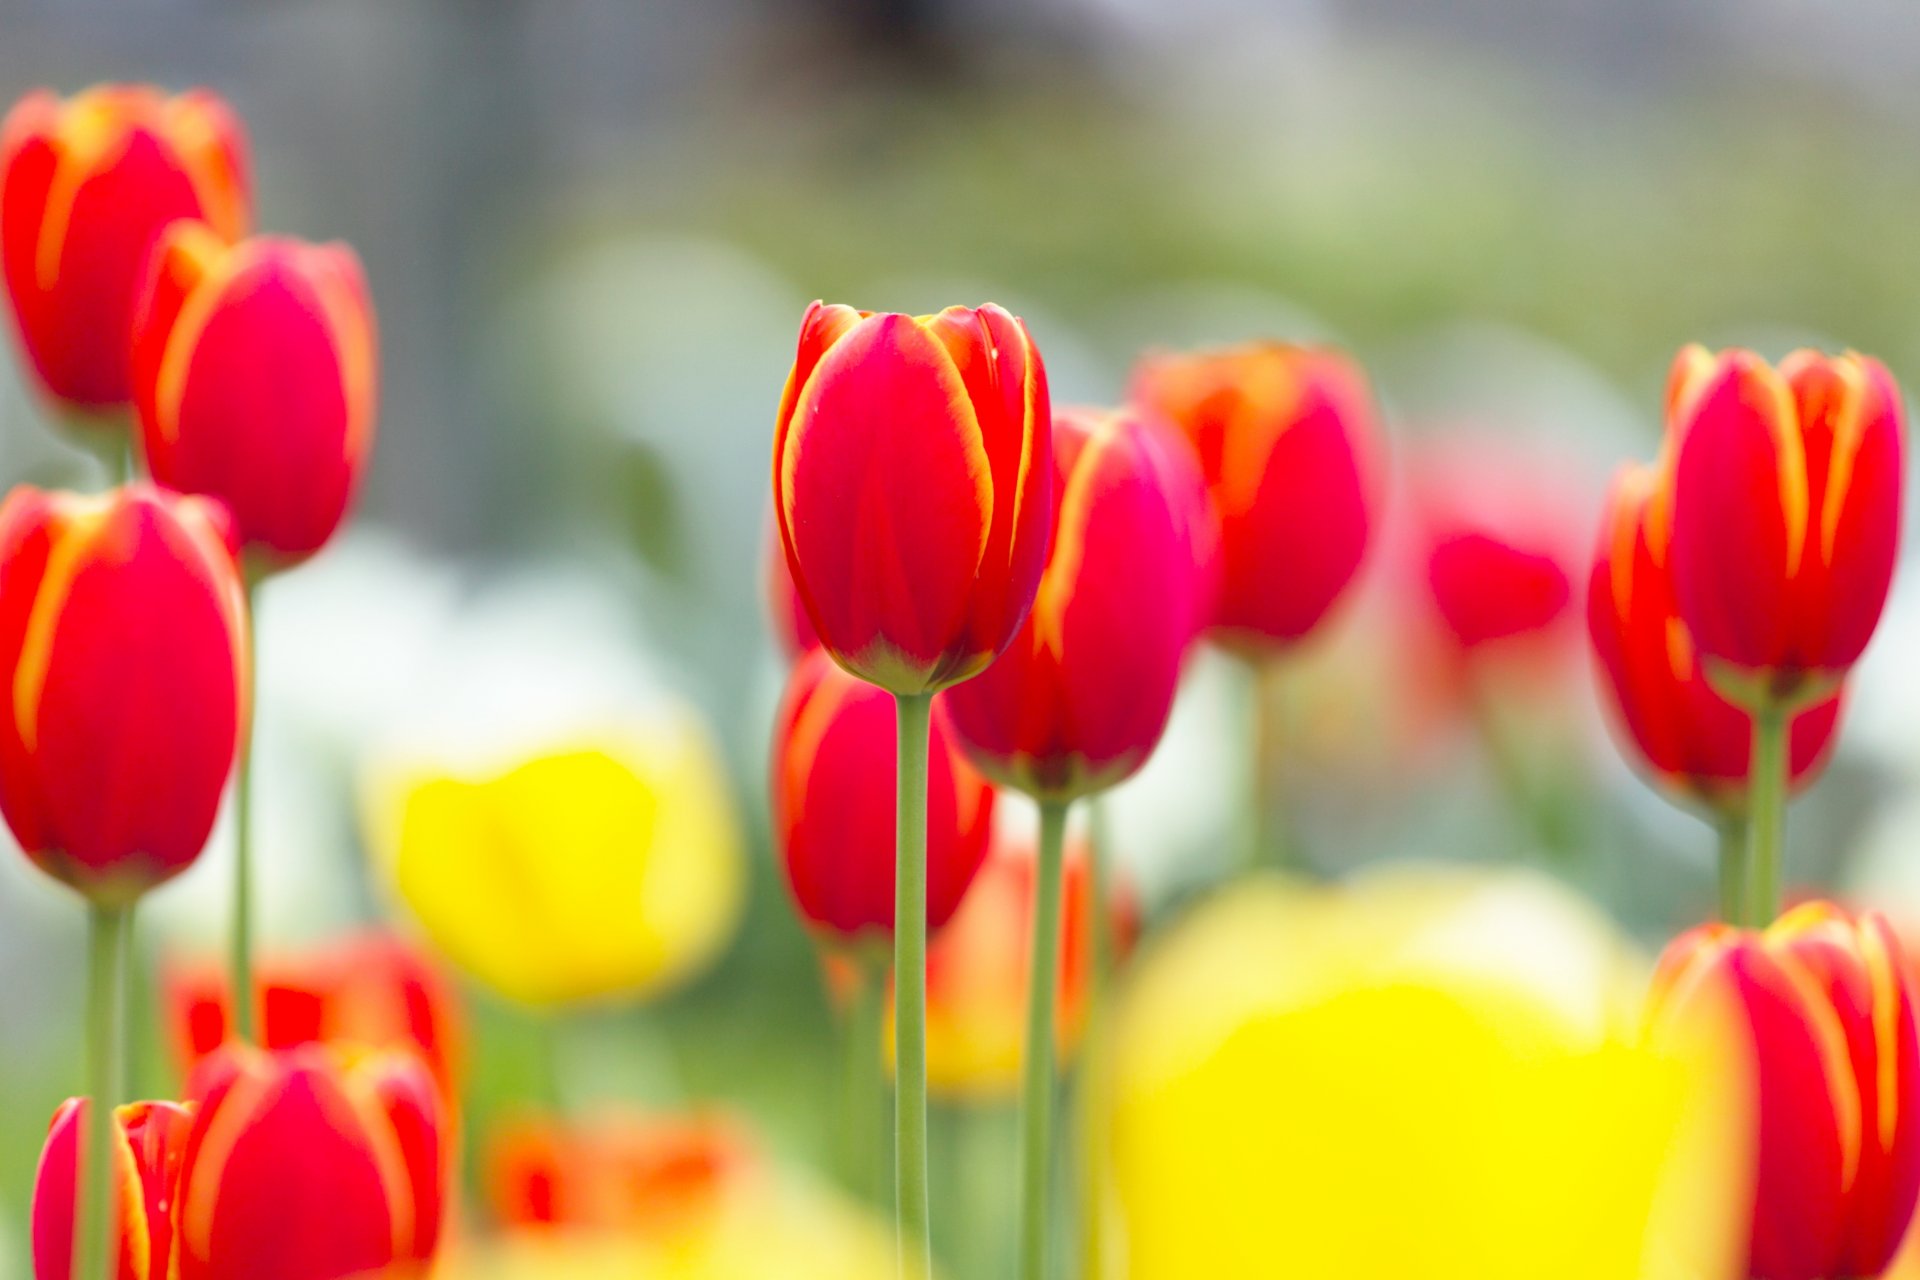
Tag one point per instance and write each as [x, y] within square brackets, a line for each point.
[1092, 1081]
[865, 1080]
[1766, 840]
[1036, 1103]
[1269, 818]
[1732, 828]
[94, 1247]
[913, 714]
[243, 993]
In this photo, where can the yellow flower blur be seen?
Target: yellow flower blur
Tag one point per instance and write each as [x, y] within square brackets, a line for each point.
[1429, 1074]
[606, 870]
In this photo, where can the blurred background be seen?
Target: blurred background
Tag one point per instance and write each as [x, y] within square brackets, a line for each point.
[591, 228]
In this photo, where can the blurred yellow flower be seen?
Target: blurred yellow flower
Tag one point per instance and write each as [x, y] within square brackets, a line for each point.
[603, 870]
[1429, 1073]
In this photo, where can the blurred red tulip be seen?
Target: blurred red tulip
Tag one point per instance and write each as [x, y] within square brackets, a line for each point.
[150, 1140]
[833, 805]
[370, 989]
[86, 187]
[787, 611]
[1786, 511]
[655, 1174]
[123, 643]
[1080, 698]
[911, 472]
[311, 1164]
[254, 372]
[1827, 1003]
[1286, 438]
[1668, 718]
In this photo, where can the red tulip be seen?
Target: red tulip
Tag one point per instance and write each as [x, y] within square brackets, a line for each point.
[1786, 511]
[911, 464]
[149, 1142]
[369, 989]
[833, 805]
[1682, 733]
[1286, 438]
[123, 642]
[1080, 698]
[1828, 1011]
[310, 1165]
[254, 371]
[86, 187]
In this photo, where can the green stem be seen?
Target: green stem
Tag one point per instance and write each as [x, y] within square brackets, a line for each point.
[95, 1243]
[865, 1079]
[243, 993]
[1268, 816]
[913, 714]
[1036, 1103]
[1092, 1084]
[1731, 825]
[1766, 837]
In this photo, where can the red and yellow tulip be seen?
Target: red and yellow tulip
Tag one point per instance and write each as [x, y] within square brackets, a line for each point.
[87, 185]
[311, 1164]
[149, 1143]
[833, 806]
[911, 479]
[1828, 1012]
[254, 372]
[1079, 699]
[123, 644]
[1669, 720]
[1786, 513]
[1286, 439]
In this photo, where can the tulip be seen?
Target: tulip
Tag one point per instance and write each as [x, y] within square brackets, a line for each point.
[254, 371]
[604, 870]
[912, 484]
[121, 732]
[910, 474]
[833, 807]
[311, 1164]
[785, 609]
[1689, 740]
[1425, 1072]
[1286, 439]
[1079, 700]
[370, 989]
[660, 1175]
[86, 187]
[1828, 1015]
[148, 1142]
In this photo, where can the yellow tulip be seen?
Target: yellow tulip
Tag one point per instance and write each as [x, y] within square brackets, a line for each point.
[609, 869]
[1429, 1073]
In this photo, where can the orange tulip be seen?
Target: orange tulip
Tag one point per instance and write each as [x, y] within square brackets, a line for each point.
[149, 1140]
[1786, 513]
[1286, 437]
[911, 479]
[1685, 736]
[654, 1174]
[254, 372]
[123, 642]
[1836, 1062]
[311, 1164]
[370, 989]
[87, 185]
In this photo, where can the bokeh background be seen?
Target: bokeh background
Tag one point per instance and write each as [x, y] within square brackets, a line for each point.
[591, 227]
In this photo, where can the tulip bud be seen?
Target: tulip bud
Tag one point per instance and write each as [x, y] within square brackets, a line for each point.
[86, 187]
[833, 805]
[1079, 700]
[254, 370]
[1285, 436]
[149, 1141]
[1830, 1019]
[1682, 734]
[911, 473]
[1786, 513]
[123, 647]
[977, 970]
[311, 1165]
[370, 989]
